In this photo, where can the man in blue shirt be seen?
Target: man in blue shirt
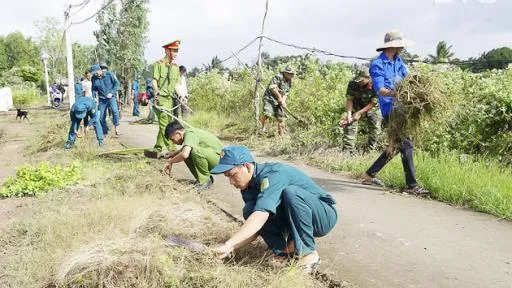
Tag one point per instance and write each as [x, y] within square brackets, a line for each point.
[84, 108]
[385, 71]
[105, 86]
[282, 205]
[135, 92]
[79, 91]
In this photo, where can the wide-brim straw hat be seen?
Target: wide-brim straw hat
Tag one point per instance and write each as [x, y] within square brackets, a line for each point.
[395, 39]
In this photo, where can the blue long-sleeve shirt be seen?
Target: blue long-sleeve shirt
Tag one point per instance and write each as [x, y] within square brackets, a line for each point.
[107, 84]
[135, 87]
[386, 73]
[92, 118]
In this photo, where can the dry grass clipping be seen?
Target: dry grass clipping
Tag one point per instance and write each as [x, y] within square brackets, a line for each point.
[418, 96]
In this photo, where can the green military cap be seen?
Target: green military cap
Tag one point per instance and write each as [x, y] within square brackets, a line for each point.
[288, 70]
[361, 73]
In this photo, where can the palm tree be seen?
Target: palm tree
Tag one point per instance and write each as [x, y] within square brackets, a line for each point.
[443, 53]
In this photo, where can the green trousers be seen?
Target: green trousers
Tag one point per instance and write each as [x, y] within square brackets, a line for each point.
[300, 218]
[350, 131]
[163, 120]
[201, 161]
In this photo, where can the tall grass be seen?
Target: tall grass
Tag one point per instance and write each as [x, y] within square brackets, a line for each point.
[481, 184]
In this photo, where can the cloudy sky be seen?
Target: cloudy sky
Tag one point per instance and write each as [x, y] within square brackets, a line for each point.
[348, 27]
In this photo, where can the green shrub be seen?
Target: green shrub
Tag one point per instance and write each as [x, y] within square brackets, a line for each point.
[478, 119]
[24, 97]
[37, 180]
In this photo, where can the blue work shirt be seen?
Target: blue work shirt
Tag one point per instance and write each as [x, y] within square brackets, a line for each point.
[386, 73]
[107, 84]
[269, 181]
[79, 91]
[91, 108]
[135, 87]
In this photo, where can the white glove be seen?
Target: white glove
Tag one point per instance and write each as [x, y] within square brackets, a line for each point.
[109, 95]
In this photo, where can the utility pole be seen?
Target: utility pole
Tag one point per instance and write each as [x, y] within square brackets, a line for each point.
[45, 62]
[69, 56]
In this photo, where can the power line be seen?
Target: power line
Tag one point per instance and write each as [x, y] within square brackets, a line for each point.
[315, 50]
[462, 63]
[77, 5]
[82, 6]
[242, 49]
[92, 16]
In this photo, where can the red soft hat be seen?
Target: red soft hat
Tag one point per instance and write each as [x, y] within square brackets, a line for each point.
[173, 45]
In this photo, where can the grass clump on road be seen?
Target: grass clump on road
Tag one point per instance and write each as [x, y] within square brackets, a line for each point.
[37, 180]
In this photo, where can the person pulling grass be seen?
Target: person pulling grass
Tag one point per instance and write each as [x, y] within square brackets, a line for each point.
[282, 205]
[84, 108]
[200, 151]
[274, 100]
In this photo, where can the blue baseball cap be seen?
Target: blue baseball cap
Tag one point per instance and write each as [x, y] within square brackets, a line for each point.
[95, 68]
[80, 110]
[232, 156]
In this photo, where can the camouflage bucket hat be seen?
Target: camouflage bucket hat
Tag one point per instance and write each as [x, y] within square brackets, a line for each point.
[361, 72]
[288, 70]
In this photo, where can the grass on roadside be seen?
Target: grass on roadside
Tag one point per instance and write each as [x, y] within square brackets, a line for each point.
[482, 185]
[109, 230]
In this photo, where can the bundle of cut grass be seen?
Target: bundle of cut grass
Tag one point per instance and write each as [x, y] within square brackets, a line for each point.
[418, 96]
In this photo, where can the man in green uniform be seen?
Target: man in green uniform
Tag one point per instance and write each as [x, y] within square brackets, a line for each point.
[166, 76]
[275, 97]
[282, 205]
[200, 151]
[362, 99]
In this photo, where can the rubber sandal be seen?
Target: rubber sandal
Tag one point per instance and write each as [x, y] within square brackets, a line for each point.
[373, 182]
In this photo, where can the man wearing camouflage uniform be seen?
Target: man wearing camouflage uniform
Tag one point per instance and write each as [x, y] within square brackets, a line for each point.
[274, 99]
[362, 99]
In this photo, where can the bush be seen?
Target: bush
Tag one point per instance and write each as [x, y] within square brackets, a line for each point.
[476, 121]
[37, 180]
[26, 97]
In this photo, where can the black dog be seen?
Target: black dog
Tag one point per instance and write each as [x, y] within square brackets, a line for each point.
[22, 114]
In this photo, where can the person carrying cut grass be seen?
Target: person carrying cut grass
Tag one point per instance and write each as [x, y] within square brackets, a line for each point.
[200, 151]
[282, 205]
[362, 99]
[385, 71]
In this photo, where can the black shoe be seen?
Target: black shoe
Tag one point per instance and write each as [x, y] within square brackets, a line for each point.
[417, 191]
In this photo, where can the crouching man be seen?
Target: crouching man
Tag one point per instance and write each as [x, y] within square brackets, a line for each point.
[84, 108]
[282, 205]
[200, 151]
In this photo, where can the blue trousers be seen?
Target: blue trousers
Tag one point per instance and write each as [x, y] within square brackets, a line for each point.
[75, 124]
[300, 218]
[136, 111]
[104, 103]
